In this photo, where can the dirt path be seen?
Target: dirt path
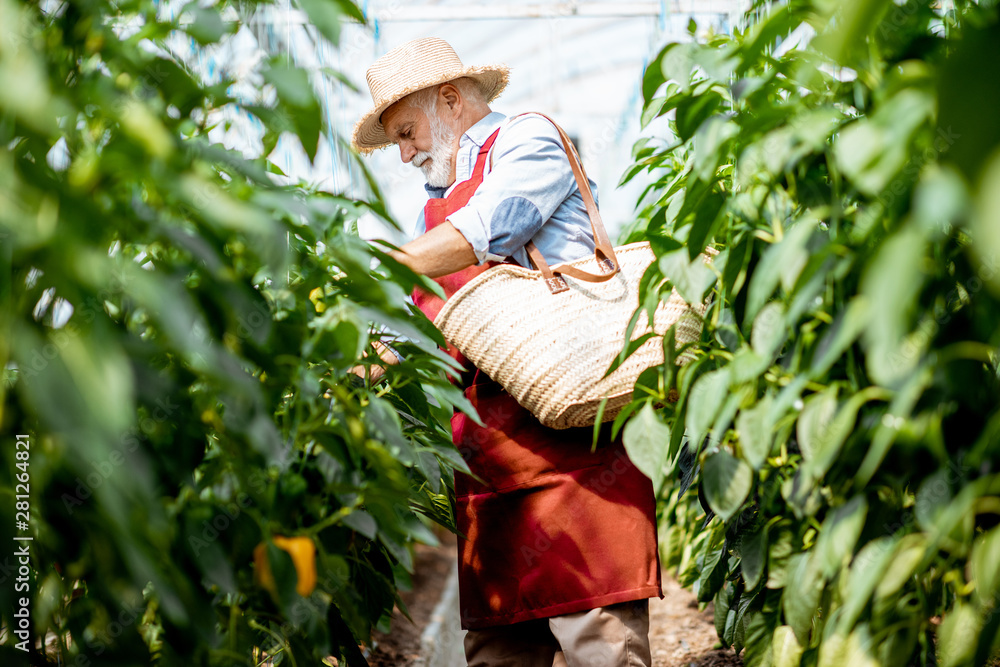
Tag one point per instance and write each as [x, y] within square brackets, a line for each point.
[680, 635]
[400, 647]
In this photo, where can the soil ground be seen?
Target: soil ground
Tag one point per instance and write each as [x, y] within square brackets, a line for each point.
[401, 645]
[679, 634]
[682, 636]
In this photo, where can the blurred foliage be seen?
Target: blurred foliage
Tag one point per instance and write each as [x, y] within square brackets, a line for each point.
[832, 463]
[176, 334]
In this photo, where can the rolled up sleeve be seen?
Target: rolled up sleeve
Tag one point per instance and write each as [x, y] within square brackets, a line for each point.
[530, 179]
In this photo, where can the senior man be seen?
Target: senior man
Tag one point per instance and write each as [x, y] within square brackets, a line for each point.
[557, 544]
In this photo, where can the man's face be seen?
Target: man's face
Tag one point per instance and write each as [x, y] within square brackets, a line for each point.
[427, 142]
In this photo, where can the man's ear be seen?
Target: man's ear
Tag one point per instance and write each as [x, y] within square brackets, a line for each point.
[452, 98]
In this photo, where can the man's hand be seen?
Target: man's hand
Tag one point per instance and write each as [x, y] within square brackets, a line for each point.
[376, 372]
[437, 253]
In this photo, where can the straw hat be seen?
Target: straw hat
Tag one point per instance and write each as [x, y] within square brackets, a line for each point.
[411, 67]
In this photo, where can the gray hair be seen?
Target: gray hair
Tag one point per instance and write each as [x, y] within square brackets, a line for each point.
[426, 99]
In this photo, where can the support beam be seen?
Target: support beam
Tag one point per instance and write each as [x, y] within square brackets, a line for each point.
[396, 12]
[400, 13]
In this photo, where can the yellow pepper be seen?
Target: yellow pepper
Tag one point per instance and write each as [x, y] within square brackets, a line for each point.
[303, 553]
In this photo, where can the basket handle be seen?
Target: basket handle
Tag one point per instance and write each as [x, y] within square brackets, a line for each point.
[604, 252]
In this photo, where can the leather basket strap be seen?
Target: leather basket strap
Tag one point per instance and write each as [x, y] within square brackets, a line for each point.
[604, 252]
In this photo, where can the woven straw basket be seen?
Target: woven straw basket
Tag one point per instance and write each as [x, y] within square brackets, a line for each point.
[551, 351]
[548, 336]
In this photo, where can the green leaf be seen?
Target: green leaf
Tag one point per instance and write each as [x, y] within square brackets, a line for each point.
[342, 78]
[690, 278]
[206, 25]
[957, 636]
[873, 150]
[325, 15]
[656, 108]
[827, 443]
[753, 554]
[855, 650]
[839, 534]
[759, 639]
[754, 427]
[891, 283]
[350, 9]
[710, 146]
[941, 196]
[716, 63]
[694, 110]
[779, 22]
[746, 365]
[787, 649]
[904, 562]
[801, 596]
[986, 567]
[846, 327]
[814, 421]
[848, 26]
[708, 217]
[774, 264]
[986, 223]
[727, 482]
[363, 522]
[932, 497]
[309, 125]
[285, 576]
[779, 553]
[677, 63]
[646, 440]
[721, 611]
[78, 383]
[867, 570]
[653, 77]
[768, 333]
[291, 83]
[222, 209]
[382, 419]
[724, 419]
[707, 395]
[712, 575]
[146, 129]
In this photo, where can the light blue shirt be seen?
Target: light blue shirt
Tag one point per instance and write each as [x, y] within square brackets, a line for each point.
[528, 194]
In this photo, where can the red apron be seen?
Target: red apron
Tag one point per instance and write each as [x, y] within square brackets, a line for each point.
[554, 529]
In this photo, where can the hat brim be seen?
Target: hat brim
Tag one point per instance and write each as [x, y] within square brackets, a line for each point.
[369, 135]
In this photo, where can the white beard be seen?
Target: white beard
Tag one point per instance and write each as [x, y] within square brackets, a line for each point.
[438, 171]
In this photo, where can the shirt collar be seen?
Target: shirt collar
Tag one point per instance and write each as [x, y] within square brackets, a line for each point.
[481, 131]
[434, 192]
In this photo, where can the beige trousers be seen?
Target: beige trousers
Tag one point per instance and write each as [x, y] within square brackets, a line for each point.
[613, 636]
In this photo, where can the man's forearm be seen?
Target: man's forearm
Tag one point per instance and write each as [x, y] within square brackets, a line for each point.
[437, 253]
